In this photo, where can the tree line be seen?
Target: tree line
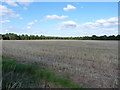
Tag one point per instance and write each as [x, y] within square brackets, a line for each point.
[12, 36]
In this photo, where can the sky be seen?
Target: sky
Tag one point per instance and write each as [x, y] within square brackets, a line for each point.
[59, 18]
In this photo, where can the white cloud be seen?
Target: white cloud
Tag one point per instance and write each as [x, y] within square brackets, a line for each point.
[56, 17]
[33, 22]
[13, 29]
[14, 4]
[22, 2]
[28, 27]
[68, 24]
[6, 30]
[25, 2]
[25, 8]
[5, 21]
[21, 18]
[6, 12]
[102, 23]
[19, 3]
[113, 19]
[69, 7]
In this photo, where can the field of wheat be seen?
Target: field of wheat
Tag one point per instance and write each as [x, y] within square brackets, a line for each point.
[91, 64]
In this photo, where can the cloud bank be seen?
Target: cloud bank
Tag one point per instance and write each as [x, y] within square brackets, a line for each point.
[105, 24]
[6, 12]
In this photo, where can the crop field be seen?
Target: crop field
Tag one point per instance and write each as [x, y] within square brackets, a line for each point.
[90, 64]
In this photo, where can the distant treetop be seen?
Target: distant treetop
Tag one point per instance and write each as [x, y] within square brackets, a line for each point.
[12, 36]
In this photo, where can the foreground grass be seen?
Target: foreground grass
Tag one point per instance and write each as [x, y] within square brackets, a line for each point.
[16, 75]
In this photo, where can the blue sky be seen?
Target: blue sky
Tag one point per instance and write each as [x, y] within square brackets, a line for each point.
[60, 18]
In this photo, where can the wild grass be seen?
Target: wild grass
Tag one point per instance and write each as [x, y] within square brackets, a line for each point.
[16, 75]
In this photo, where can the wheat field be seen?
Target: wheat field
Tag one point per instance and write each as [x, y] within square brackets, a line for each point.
[91, 64]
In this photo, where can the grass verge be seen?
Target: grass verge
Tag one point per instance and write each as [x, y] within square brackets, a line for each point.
[16, 75]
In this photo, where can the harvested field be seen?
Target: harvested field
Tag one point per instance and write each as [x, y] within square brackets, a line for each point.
[91, 64]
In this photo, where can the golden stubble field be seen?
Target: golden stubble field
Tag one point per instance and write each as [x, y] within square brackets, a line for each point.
[91, 64]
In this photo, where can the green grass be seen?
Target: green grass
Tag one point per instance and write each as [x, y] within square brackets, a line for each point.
[16, 75]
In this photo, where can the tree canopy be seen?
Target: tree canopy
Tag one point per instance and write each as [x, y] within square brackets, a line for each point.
[12, 36]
